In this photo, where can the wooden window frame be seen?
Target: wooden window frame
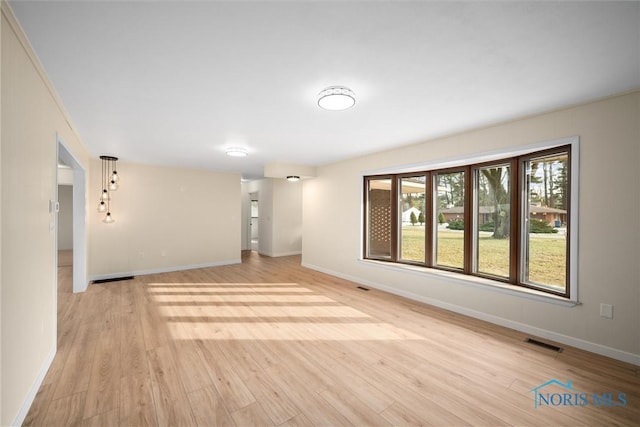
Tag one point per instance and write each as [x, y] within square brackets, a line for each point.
[514, 226]
[521, 210]
[466, 261]
[393, 231]
[427, 203]
[517, 188]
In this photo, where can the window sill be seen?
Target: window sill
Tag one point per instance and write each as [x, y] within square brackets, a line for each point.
[475, 281]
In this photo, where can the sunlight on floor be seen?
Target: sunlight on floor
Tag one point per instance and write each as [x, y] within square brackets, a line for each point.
[263, 311]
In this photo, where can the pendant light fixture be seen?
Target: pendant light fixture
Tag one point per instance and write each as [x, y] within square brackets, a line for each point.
[109, 182]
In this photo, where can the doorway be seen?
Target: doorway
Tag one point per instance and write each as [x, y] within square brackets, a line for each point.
[254, 221]
[65, 215]
[78, 179]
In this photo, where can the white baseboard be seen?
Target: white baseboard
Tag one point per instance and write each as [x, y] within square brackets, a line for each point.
[279, 254]
[287, 253]
[31, 395]
[522, 327]
[165, 269]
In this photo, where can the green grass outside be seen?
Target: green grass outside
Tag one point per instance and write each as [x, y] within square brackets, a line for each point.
[547, 255]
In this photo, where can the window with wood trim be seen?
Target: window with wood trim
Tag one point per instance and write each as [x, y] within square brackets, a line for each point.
[506, 220]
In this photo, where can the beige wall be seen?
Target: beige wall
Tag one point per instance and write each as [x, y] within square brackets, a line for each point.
[32, 117]
[166, 219]
[1, 383]
[609, 250]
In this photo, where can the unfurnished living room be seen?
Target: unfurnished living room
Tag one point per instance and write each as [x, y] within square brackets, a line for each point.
[319, 213]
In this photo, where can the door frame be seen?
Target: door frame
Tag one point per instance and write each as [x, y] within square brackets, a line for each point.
[80, 278]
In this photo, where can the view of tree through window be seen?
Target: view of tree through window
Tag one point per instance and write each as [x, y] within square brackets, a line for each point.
[545, 243]
[412, 206]
[493, 213]
[449, 242]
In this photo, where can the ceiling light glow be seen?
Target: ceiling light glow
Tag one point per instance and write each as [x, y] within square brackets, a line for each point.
[237, 152]
[293, 178]
[336, 98]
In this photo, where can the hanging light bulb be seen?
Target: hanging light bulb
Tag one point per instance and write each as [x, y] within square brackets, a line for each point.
[102, 207]
[115, 177]
[105, 196]
[108, 219]
[113, 185]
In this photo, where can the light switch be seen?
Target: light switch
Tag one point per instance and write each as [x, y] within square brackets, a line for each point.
[606, 310]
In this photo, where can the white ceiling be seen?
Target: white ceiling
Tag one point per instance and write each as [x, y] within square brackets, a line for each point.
[177, 82]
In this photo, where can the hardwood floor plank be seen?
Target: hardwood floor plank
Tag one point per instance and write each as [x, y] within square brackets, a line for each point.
[208, 408]
[170, 400]
[103, 392]
[353, 409]
[66, 411]
[154, 330]
[305, 396]
[133, 356]
[243, 356]
[136, 401]
[251, 415]
[298, 421]
[76, 373]
[341, 376]
[227, 382]
[109, 418]
[272, 398]
[399, 415]
[190, 364]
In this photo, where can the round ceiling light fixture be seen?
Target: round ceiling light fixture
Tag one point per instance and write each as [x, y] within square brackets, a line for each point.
[293, 178]
[336, 98]
[237, 152]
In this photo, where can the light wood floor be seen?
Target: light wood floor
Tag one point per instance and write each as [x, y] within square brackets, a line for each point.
[65, 258]
[271, 343]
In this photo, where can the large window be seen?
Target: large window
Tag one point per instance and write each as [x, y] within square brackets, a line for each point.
[505, 220]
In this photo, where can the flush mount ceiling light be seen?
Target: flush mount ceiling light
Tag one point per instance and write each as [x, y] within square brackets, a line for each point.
[293, 178]
[237, 152]
[336, 98]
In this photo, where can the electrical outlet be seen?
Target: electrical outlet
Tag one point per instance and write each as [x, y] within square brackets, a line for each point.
[606, 310]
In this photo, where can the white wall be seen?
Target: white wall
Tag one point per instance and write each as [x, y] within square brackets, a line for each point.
[287, 217]
[609, 234]
[32, 116]
[165, 219]
[245, 239]
[65, 217]
[280, 215]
